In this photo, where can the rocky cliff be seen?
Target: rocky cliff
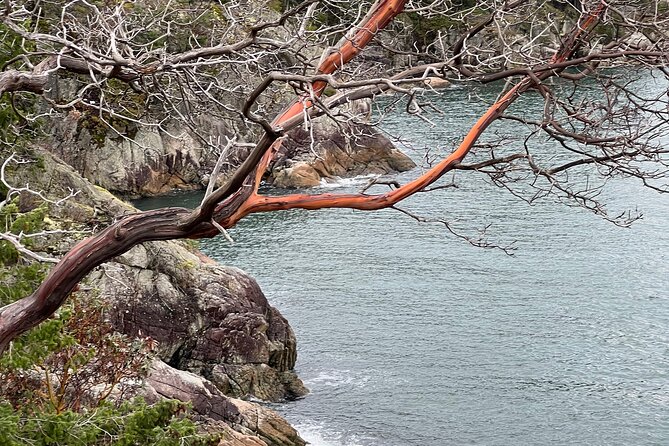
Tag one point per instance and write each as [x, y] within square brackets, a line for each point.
[207, 318]
[218, 338]
[140, 161]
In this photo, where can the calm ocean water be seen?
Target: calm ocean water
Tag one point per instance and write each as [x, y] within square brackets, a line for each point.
[409, 336]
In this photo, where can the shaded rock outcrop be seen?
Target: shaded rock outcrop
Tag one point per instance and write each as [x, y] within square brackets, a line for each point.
[132, 160]
[335, 149]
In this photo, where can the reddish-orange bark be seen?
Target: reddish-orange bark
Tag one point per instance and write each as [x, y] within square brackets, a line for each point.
[383, 13]
[167, 223]
[258, 203]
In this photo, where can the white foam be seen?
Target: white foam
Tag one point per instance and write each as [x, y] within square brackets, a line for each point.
[336, 182]
[317, 435]
[337, 378]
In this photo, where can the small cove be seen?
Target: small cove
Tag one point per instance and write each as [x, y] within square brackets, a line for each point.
[409, 336]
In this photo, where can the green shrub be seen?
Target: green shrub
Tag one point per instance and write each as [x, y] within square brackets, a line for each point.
[133, 423]
[58, 379]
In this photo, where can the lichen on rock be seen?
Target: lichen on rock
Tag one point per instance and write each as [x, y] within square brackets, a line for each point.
[207, 318]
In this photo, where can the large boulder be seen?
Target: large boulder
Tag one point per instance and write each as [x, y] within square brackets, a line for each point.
[207, 318]
[332, 150]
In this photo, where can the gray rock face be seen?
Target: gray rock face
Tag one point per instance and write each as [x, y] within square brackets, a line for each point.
[130, 160]
[207, 318]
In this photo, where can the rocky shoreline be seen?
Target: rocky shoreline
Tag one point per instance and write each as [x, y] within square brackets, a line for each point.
[219, 344]
[329, 151]
[135, 162]
[218, 341]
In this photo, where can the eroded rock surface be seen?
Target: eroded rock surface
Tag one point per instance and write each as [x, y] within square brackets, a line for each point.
[207, 318]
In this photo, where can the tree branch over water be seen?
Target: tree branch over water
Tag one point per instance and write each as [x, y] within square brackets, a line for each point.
[178, 81]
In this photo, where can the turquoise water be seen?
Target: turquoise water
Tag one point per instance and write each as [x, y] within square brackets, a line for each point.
[410, 336]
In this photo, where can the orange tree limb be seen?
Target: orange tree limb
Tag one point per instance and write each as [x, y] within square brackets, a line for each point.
[258, 203]
[383, 12]
[172, 223]
[167, 223]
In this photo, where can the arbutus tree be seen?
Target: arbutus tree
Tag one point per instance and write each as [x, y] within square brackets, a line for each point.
[117, 51]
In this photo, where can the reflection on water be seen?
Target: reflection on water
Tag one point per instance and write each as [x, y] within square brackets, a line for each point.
[408, 336]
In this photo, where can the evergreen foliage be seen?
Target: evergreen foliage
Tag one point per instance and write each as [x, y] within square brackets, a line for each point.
[133, 423]
[58, 380]
[63, 382]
